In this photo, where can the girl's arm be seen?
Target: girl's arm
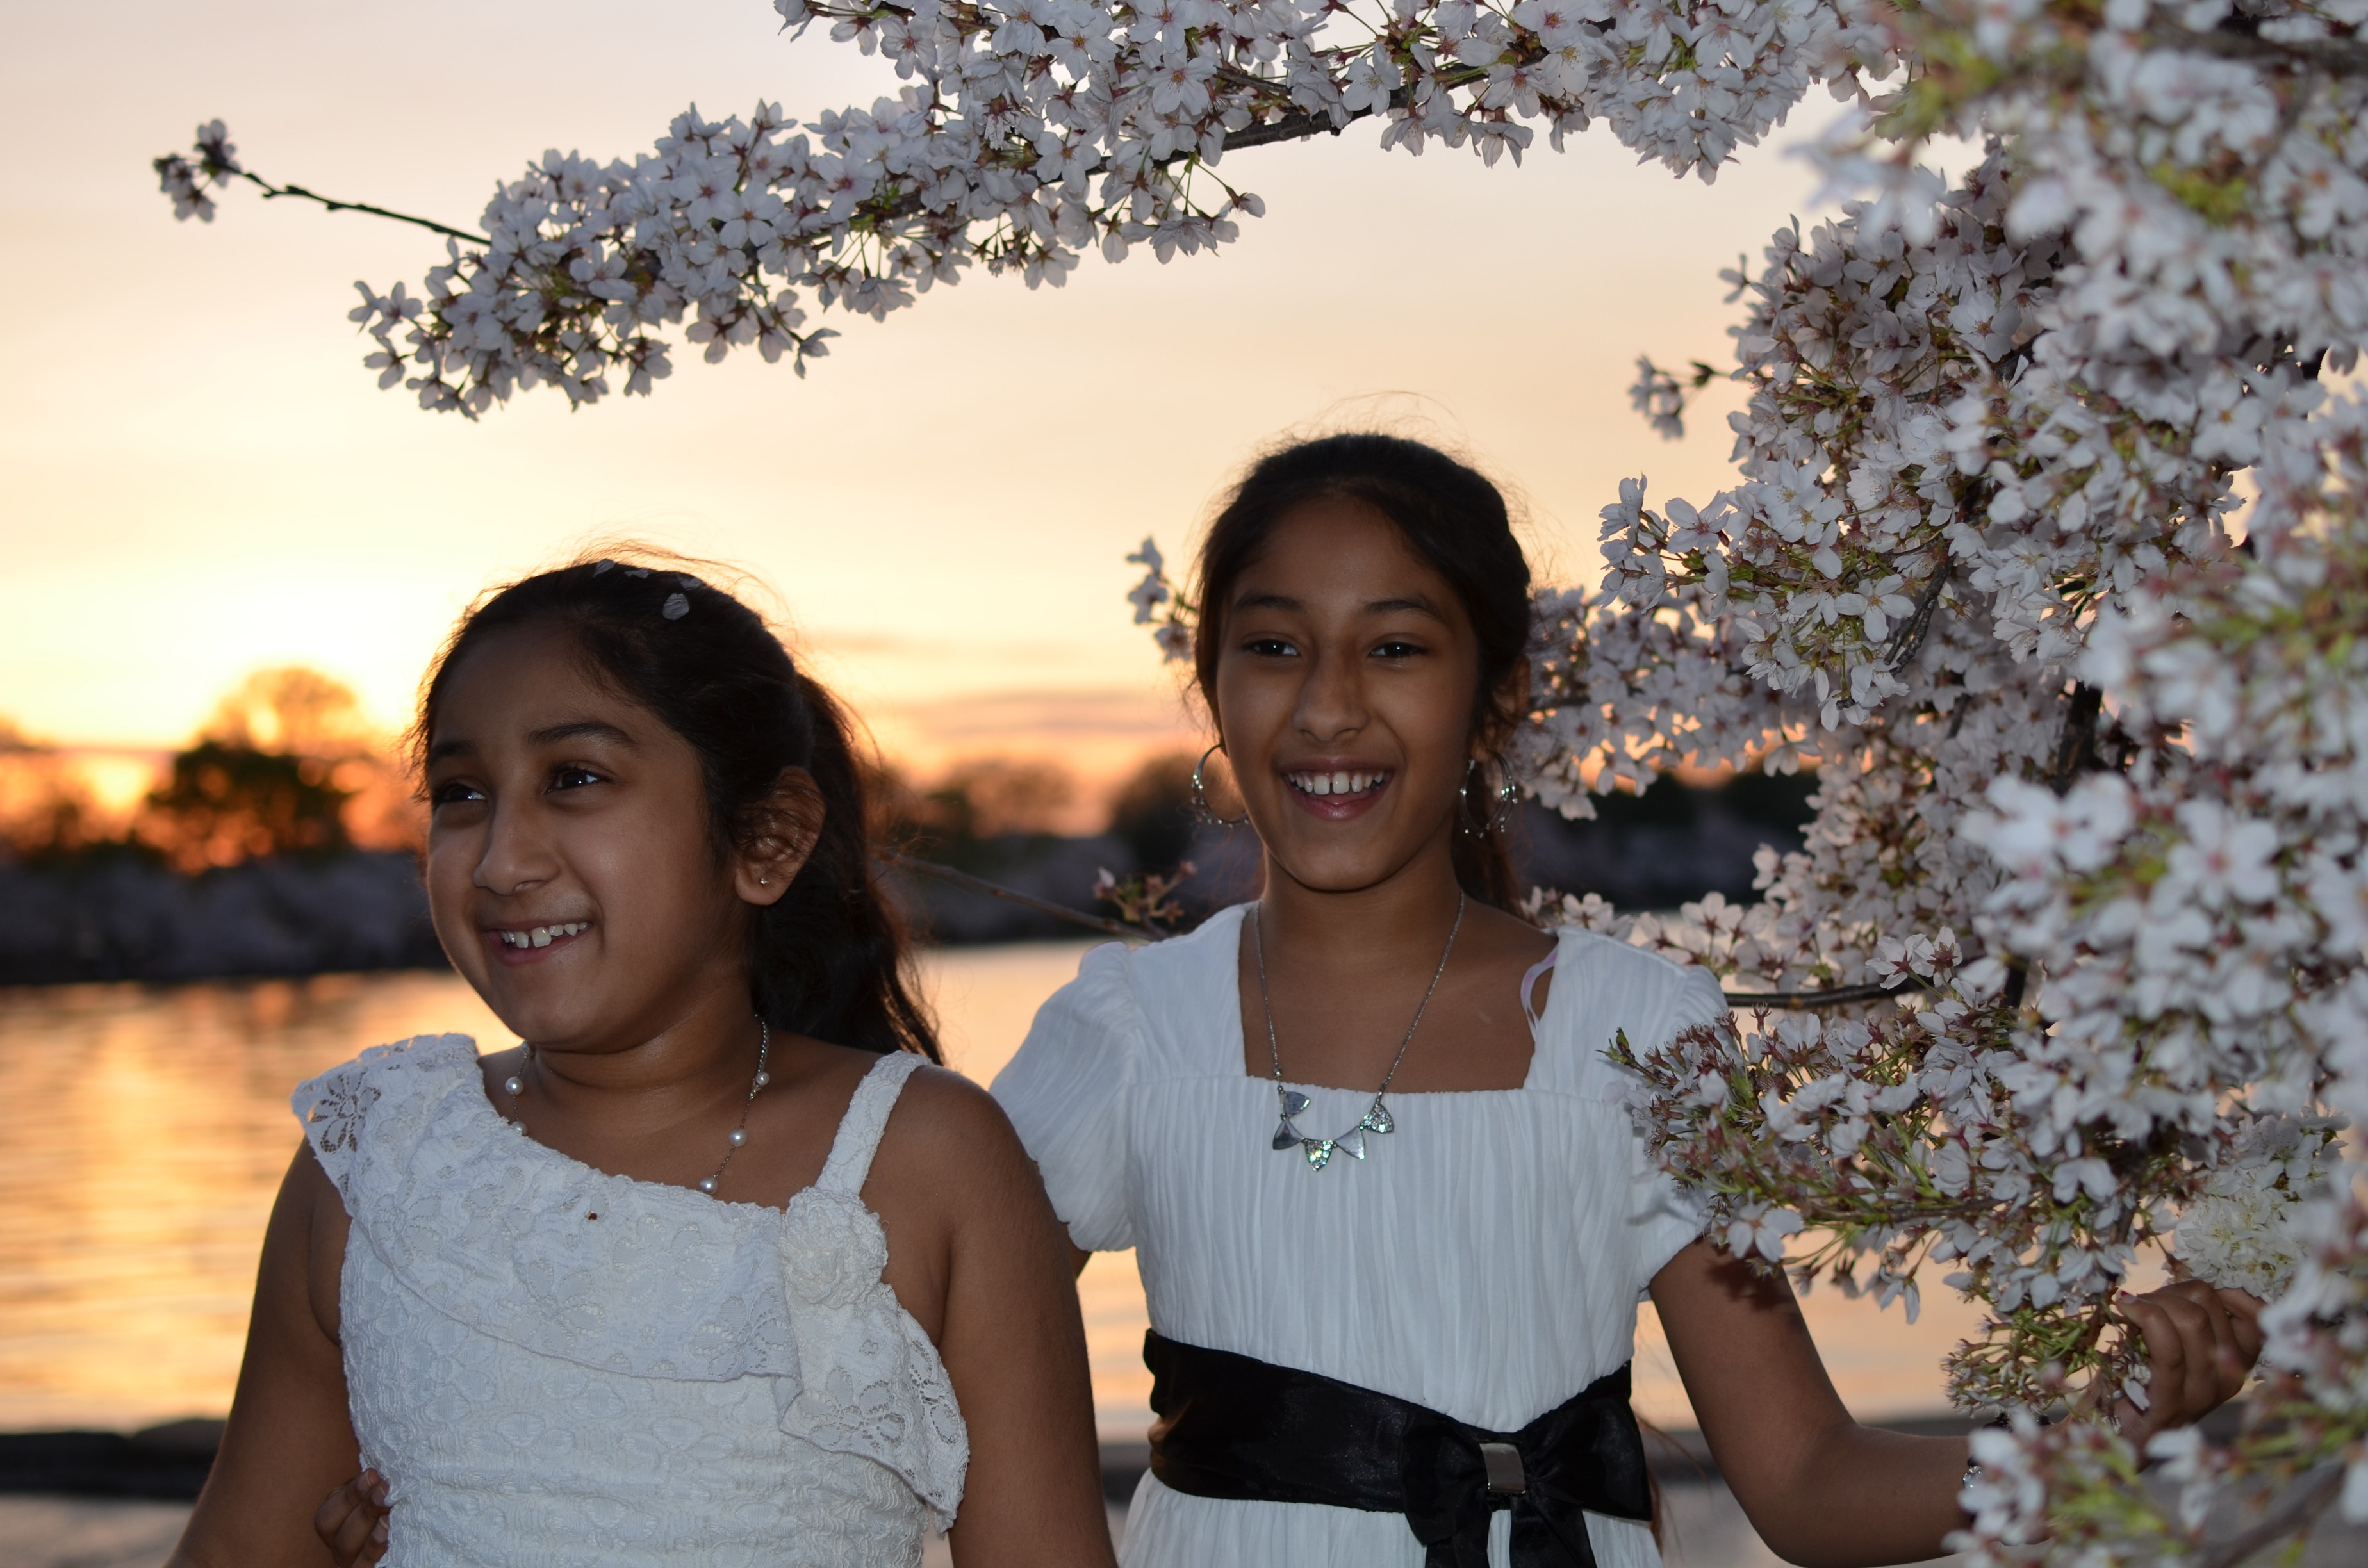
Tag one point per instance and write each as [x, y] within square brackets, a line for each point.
[290, 1439]
[1011, 1334]
[1826, 1491]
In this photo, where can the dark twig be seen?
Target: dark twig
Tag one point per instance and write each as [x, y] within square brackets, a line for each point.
[1026, 901]
[272, 192]
[1838, 997]
[2338, 57]
[2296, 1515]
[1909, 640]
[2076, 751]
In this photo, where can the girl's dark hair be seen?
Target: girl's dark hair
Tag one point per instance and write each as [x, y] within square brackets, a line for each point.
[832, 958]
[1456, 521]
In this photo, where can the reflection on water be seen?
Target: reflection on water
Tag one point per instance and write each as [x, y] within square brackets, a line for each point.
[144, 1130]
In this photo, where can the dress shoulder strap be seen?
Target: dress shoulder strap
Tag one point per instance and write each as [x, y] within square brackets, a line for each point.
[866, 1120]
[1530, 979]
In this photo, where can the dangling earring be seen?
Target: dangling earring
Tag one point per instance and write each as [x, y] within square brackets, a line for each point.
[1499, 819]
[1200, 794]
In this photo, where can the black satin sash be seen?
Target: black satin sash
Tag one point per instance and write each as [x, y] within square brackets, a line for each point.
[1235, 1427]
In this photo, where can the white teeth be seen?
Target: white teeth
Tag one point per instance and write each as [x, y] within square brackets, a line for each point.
[540, 936]
[1336, 783]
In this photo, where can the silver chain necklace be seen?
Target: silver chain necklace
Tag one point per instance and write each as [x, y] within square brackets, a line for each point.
[515, 1085]
[1377, 1119]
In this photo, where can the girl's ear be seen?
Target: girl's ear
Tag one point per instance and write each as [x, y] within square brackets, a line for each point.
[1506, 704]
[784, 830]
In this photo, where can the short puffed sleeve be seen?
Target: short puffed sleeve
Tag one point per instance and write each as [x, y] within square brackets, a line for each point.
[1066, 1095]
[1665, 1216]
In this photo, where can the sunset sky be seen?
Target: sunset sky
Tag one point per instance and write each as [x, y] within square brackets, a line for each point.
[201, 478]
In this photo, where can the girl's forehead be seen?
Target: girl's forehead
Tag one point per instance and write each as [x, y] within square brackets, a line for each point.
[522, 678]
[1337, 549]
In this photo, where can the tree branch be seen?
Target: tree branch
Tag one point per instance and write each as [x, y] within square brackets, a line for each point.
[2077, 750]
[1026, 901]
[2296, 1515]
[1838, 997]
[273, 192]
[1909, 640]
[2336, 57]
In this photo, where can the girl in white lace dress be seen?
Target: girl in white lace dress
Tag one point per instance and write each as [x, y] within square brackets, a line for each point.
[716, 1267]
[1392, 1218]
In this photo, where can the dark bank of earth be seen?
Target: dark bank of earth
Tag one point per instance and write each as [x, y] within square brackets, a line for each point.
[171, 1462]
[125, 916]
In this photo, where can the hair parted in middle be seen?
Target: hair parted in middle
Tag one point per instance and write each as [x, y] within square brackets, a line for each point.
[1456, 520]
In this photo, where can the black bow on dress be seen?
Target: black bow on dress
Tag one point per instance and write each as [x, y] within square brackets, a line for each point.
[1235, 1427]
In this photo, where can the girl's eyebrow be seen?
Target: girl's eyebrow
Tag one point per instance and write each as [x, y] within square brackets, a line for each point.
[574, 729]
[1417, 603]
[580, 730]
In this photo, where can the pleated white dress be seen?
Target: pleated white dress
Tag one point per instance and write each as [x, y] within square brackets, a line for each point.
[1485, 1260]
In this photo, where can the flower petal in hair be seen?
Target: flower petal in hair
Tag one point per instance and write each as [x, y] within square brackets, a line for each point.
[687, 581]
[638, 572]
[603, 565]
[676, 606]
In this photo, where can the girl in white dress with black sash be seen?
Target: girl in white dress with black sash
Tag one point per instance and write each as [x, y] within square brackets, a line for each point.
[1392, 1217]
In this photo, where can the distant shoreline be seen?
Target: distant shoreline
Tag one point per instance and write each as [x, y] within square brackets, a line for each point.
[123, 915]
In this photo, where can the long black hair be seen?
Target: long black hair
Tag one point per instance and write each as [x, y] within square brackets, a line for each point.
[1457, 522]
[831, 958]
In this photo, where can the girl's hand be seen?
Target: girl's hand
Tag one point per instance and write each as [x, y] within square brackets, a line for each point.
[2200, 1344]
[351, 1522]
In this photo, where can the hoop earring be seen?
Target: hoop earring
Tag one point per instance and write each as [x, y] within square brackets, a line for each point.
[1200, 794]
[1507, 793]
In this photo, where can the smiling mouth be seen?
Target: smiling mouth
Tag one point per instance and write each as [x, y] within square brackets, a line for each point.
[539, 935]
[1333, 785]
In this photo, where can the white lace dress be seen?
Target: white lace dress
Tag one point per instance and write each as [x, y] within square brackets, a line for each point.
[554, 1366]
[1485, 1259]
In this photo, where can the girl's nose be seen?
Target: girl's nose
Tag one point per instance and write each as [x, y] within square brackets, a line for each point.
[1331, 699]
[515, 857]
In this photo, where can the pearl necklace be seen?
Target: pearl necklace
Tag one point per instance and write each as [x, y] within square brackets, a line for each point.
[515, 1085]
[1377, 1119]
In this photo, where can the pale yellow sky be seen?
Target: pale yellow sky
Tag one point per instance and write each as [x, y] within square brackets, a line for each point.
[200, 479]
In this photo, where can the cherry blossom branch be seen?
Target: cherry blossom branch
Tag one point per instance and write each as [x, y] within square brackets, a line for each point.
[1013, 895]
[272, 191]
[2340, 57]
[1837, 996]
[2298, 1513]
[217, 164]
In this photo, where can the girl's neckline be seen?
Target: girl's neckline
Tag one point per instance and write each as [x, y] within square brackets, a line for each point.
[1239, 1026]
[481, 1104]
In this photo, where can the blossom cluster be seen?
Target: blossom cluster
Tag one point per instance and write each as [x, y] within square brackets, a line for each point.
[1029, 132]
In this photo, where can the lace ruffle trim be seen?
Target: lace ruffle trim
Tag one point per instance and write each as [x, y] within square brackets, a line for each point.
[885, 1394]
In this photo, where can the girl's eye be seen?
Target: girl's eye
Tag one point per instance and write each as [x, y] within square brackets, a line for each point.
[1269, 648]
[1397, 650]
[570, 777]
[452, 792]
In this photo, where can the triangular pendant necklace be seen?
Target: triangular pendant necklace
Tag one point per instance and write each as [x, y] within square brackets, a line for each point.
[1377, 1119]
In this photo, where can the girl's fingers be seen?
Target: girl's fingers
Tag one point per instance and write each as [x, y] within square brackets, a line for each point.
[335, 1510]
[2200, 1344]
[2244, 1310]
[351, 1522]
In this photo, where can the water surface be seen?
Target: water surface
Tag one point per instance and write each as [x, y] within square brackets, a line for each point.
[144, 1131]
